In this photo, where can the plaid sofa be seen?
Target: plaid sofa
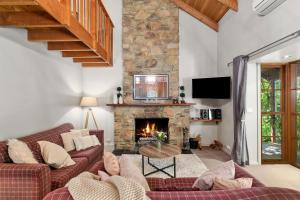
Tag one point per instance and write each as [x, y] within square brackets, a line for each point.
[181, 189]
[34, 181]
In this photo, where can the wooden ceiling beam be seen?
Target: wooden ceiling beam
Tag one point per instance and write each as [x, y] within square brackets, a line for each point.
[68, 46]
[99, 64]
[198, 15]
[87, 60]
[53, 34]
[18, 3]
[28, 19]
[232, 4]
[79, 54]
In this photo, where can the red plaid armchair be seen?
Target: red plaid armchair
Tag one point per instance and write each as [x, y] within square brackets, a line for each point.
[34, 181]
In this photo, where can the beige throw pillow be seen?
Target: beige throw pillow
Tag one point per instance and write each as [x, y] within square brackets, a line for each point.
[84, 142]
[83, 132]
[111, 164]
[225, 170]
[20, 153]
[131, 171]
[68, 140]
[54, 155]
[224, 184]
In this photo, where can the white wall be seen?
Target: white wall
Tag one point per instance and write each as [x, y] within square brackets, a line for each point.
[39, 89]
[102, 82]
[243, 32]
[197, 59]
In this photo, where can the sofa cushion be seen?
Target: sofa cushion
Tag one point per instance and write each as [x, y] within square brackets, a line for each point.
[54, 155]
[59, 177]
[19, 152]
[172, 184]
[52, 135]
[225, 170]
[91, 153]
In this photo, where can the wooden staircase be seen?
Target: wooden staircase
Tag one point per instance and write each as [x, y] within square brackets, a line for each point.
[80, 29]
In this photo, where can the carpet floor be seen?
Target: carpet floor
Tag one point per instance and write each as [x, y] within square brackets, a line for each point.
[187, 165]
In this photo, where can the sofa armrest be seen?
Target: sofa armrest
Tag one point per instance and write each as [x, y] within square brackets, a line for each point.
[24, 181]
[242, 173]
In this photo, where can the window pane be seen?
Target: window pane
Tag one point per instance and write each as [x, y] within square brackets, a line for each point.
[270, 101]
[271, 150]
[270, 79]
[298, 152]
[271, 137]
[297, 100]
[298, 125]
[296, 84]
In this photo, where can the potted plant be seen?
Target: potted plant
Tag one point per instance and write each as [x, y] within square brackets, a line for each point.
[119, 95]
[160, 137]
[182, 94]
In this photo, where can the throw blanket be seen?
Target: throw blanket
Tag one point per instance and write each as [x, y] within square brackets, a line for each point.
[88, 186]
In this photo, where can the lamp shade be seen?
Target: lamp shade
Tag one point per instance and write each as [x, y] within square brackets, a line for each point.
[88, 102]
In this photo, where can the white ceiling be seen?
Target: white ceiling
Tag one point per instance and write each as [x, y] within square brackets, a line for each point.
[284, 55]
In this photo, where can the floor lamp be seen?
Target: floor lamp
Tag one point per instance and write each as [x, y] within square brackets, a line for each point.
[89, 102]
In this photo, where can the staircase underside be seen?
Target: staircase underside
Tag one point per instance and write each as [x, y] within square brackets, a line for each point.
[47, 21]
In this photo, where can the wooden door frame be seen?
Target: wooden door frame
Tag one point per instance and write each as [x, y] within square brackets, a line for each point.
[284, 114]
[292, 120]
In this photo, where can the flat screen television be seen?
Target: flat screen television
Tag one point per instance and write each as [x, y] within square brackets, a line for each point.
[211, 88]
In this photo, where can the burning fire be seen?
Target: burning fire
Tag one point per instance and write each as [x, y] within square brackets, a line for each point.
[149, 130]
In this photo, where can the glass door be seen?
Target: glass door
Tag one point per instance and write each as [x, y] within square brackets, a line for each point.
[273, 114]
[295, 113]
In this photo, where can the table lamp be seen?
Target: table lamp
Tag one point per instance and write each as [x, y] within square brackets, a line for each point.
[89, 102]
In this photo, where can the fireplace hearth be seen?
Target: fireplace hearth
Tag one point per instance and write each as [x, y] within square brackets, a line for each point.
[145, 128]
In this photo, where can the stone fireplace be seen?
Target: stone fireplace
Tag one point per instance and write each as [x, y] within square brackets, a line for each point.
[150, 47]
[145, 128]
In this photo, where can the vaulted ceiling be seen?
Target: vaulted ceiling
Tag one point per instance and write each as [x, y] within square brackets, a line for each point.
[208, 11]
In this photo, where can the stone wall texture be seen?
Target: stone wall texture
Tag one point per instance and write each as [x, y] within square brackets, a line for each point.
[150, 46]
[150, 42]
[125, 123]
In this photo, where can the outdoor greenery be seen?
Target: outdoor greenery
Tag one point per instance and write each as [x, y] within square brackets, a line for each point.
[271, 106]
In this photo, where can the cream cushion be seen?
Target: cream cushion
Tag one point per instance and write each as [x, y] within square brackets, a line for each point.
[225, 184]
[19, 152]
[131, 171]
[54, 155]
[67, 139]
[84, 142]
[225, 170]
[83, 132]
[111, 163]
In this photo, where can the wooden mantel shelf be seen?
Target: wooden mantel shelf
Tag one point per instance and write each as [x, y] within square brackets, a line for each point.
[150, 104]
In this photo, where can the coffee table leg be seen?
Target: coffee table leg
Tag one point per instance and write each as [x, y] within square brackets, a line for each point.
[143, 165]
[174, 161]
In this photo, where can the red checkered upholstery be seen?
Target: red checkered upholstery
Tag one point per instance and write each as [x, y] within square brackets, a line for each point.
[256, 193]
[185, 184]
[180, 189]
[171, 184]
[18, 181]
[60, 177]
[96, 167]
[24, 181]
[91, 154]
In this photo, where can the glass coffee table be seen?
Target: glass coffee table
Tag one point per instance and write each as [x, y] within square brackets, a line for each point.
[152, 152]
